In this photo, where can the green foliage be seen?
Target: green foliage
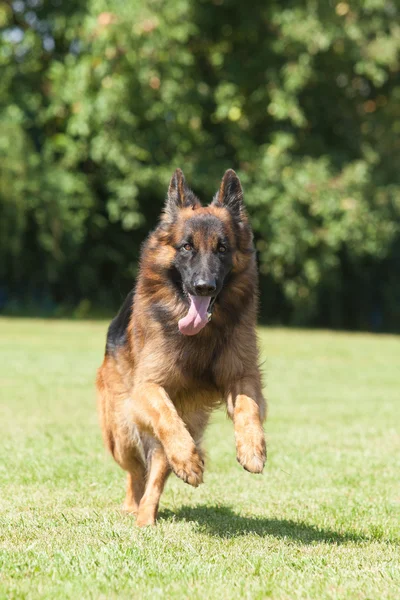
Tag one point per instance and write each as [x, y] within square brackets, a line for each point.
[100, 101]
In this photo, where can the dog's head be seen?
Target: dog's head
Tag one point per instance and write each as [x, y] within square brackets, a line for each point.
[209, 243]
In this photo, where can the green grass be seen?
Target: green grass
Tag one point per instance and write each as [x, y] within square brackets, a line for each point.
[322, 522]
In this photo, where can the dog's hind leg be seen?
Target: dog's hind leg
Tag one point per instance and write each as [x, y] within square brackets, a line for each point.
[129, 454]
[121, 436]
[135, 486]
[158, 471]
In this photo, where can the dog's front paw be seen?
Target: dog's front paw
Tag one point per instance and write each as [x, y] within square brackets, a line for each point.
[251, 451]
[189, 466]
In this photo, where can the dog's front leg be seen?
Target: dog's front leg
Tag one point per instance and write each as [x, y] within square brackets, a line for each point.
[246, 406]
[154, 409]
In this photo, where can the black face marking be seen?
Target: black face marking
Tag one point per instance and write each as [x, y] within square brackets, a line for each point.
[175, 279]
[203, 261]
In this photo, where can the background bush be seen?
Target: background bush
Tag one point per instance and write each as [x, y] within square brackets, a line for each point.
[101, 101]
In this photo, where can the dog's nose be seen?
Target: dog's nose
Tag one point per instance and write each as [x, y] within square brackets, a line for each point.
[205, 288]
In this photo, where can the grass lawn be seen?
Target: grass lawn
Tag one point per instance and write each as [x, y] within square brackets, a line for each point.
[322, 522]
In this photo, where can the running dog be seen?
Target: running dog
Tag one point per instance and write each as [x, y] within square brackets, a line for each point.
[184, 342]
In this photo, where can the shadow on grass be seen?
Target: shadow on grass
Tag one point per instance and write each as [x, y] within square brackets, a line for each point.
[223, 522]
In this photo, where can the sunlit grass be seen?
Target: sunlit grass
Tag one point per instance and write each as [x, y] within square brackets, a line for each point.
[322, 522]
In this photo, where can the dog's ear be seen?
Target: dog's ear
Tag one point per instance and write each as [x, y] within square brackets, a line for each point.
[179, 195]
[230, 195]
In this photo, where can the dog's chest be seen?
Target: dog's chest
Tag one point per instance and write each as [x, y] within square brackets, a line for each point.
[194, 362]
[197, 363]
[196, 366]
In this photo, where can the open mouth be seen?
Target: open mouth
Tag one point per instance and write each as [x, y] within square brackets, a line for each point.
[197, 316]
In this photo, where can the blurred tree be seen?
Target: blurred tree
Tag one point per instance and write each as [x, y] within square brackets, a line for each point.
[100, 101]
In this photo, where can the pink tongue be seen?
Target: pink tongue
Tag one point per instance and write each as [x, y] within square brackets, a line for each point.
[196, 318]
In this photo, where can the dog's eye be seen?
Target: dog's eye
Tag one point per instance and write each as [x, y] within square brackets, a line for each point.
[221, 248]
[187, 247]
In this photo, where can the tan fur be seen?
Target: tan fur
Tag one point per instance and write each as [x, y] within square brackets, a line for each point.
[155, 394]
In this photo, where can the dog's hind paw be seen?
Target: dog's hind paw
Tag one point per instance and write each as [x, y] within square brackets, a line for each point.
[145, 519]
[129, 508]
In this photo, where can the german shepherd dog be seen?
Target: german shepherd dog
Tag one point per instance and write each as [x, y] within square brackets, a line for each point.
[183, 342]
